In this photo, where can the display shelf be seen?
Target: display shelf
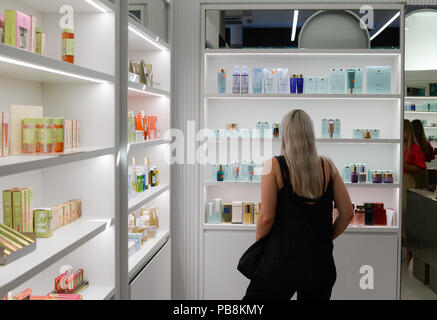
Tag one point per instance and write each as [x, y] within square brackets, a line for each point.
[421, 98]
[98, 293]
[50, 250]
[23, 65]
[142, 90]
[421, 112]
[149, 143]
[305, 96]
[147, 196]
[18, 164]
[79, 6]
[430, 127]
[348, 185]
[252, 227]
[142, 39]
[143, 256]
[319, 140]
[306, 52]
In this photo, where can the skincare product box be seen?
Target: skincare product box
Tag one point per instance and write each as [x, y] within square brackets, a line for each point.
[333, 81]
[18, 209]
[68, 134]
[359, 81]
[40, 41]
[18, 28]
[43, 222]
[378, 80]
[4, 134]
[257, 80]
[269, 81]
[248, 213]
[227, 213]
[283, 80]
[310, 85]
[322, 85]
[366, 134]
[341, 81]
[237, 212]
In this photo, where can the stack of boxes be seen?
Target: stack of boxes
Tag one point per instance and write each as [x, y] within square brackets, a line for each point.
[19, 30]
[72, 134]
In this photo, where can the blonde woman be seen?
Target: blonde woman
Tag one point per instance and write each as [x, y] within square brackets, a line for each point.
[295, 226]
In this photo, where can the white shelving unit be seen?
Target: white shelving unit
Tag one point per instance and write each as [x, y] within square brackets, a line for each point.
[84, 91]
[144, 44]
[429, 116]
[223, 244]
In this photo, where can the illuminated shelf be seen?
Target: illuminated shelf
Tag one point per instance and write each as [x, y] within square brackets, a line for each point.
[143, 256]
[421, 98]
[79, 6]
[18, 164]
[421, 112]
[252, 227]
[349, 185]
[138, 89]
[147, 196]
[429, 127]
[301, 52]
[142, 39]
[64, 241]
[149, 143]
[304, 96]
[23, 65]
[98, 293]
[340, 141]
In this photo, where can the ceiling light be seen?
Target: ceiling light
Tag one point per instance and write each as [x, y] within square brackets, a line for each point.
[385, 26]
[295, 18]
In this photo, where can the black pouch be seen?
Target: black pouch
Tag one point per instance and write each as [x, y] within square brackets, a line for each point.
[251, 259]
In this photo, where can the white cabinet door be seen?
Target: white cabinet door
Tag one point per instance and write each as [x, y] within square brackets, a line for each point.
[375, 256]
[154, 281]
[222, 252]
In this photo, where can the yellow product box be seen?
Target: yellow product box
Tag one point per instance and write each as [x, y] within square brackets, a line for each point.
[7, 208]
[67, 213]
[43, 222]
[58, 217]
[73, 210]
[18, 206]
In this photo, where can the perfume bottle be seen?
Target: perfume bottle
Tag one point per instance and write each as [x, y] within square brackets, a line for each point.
[235, 171]
[363, 174]
[220, 174]
[354, 175]
[247, 213]
[293, 84]
[244, 80]
[227, 213]
[276, 131]
[221, 81]
[359, 215]
[300, 84]
[236, 80]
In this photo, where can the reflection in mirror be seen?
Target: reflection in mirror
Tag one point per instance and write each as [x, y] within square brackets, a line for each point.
[282, 28]
[152, 14]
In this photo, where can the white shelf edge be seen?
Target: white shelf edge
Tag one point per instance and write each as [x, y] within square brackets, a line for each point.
[147, 33]
[421, 98]
[147, 196]
[74, 241]
[145, 144]
[97, 292]
[36, 162]
[25, 59]
[141, 89]
[285, 52]
[318, 140]
[421, 112]
[252, 227]
[147, 251]
[305, 96]
[348, 185]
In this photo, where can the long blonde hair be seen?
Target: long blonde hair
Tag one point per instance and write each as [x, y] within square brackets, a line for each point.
[299, 150]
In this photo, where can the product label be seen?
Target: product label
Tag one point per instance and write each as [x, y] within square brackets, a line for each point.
[29, 135]
[46, 136]
[59, 135]
[68, 47]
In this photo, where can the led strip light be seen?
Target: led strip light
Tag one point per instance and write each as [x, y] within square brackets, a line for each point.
[97, 6]
[295, 18]
[385, 26]
[148, 39]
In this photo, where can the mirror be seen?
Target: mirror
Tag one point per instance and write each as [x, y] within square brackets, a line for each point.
[237, 29]
[152, 14]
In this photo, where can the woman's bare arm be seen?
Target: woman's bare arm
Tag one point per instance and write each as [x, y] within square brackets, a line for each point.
[343, 203]
[269, 195]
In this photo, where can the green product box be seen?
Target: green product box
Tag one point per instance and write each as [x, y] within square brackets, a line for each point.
[43, 222]
[17, 209]
[7, 208]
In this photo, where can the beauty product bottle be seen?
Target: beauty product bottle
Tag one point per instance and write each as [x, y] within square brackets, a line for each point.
[268, 131]
[227, 213]
[388, 177]
[221, 81]
[68, 45]
[236, 80]
[351, 80]
[276, 131]
[247, 213]
[244, 80]
[283, 83]
[300, 84]
[363, 174]
[46, 135]
[257, 80]
[359, 215]
[237, 212]
[251, 169]
[227, 172]
[293, 84]
[377, 177]
[220, 174]
[347, 174]
[341, 77]
[269, 81]
[354, 174]
[58, 134]
[369, 214]
[134, 175]
[235, 171]
[217, 212]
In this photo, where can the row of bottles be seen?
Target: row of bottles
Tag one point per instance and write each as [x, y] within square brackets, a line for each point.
[142, 177]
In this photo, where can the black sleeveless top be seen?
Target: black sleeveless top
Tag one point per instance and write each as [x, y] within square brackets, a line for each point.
[298, 253]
